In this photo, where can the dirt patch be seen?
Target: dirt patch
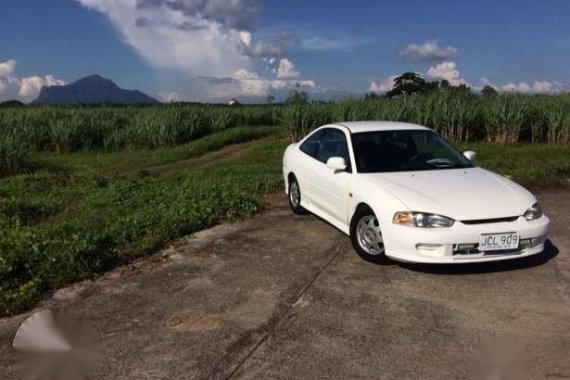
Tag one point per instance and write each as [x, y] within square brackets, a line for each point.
[225, 154]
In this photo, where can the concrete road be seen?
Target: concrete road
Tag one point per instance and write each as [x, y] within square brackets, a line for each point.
[286, 297]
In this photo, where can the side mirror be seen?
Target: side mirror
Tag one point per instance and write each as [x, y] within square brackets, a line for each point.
[471, 156]
[336, 163]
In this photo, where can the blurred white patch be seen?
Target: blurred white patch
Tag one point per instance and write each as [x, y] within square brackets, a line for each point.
[499, 358]
[52, 344]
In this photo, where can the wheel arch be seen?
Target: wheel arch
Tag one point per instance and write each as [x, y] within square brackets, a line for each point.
[360, 206]
[289, 177]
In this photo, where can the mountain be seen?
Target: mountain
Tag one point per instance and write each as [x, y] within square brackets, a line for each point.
[93, 89]
[11, 104]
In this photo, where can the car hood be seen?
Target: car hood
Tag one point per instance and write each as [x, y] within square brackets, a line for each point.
[461, 194]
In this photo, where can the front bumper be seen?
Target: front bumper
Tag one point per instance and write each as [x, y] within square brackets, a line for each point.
[440, 245]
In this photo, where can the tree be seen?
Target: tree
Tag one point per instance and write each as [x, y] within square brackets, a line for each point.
[297, 96]
[270, 99]
[407, 84]
[431, 87]
[489, 90]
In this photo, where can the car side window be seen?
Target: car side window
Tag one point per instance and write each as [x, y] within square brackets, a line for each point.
[333, 144]
[312, 144]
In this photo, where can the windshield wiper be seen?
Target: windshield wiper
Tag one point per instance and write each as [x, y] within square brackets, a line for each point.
[443, 163]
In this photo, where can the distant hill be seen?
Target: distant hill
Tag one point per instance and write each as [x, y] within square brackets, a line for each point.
[11, 104]
[93, 89]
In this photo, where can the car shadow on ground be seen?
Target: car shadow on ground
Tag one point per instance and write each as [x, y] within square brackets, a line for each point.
[550, 252]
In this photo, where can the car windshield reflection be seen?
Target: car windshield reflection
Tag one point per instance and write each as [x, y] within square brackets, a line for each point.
[405, 150]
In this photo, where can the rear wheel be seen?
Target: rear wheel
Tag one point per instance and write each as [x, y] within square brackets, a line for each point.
[295, 197]
[366, 236]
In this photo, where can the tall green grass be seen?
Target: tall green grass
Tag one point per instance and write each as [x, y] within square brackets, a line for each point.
[505, 119]
[13, 154]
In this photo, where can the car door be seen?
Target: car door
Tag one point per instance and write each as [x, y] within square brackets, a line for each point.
[332, 186]
[305, 172]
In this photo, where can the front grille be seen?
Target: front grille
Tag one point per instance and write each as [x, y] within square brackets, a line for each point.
[486, 221]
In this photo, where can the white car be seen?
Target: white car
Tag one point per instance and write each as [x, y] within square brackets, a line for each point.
[401, 191]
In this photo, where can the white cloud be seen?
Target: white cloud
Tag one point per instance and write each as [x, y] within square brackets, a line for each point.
[447, 71]
[430, 51]
[245, 38]
[237, 14]
[320, 43]
[7, 83]
[536, 87]
[266, 50]
[11, 86]
[211, 41]
[287, 69]
[250, 84]
[246, 85]
[168, 96]
[383, 86]
[6, 79]
[30, 87]
[195, 37]
[7, 68]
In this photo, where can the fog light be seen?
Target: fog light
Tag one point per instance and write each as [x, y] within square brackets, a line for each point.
[431, 249]
[462, 247]
[428, 246]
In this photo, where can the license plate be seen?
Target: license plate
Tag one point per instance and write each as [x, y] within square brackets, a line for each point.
[499, 242]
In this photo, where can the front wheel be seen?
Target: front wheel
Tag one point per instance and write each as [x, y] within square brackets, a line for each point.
[295, 197]
[366, 236]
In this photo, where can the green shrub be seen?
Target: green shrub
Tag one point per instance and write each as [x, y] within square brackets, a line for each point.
[13, 154]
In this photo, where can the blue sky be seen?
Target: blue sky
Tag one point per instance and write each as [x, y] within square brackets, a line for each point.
[212, 50]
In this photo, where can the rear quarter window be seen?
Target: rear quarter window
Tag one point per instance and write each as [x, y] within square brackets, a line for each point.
[312, 144]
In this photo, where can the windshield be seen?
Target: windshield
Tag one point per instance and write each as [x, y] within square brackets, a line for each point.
[405, 150]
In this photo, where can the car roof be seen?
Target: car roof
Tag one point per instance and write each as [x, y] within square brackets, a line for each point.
[371, 126]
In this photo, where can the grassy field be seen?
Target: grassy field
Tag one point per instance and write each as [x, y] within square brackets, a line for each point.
[539, 165]
[87, 212]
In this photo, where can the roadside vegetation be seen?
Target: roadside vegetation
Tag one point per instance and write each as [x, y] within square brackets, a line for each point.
[85, 189]
[75, 220]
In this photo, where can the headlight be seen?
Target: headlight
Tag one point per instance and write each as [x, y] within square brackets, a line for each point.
[533, 213]
[422, 219]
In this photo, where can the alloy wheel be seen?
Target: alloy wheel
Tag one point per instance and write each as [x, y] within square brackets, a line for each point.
[295, 194]
[369, 236]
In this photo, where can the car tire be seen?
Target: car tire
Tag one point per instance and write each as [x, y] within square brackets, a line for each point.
[294, 197]
[366, 236]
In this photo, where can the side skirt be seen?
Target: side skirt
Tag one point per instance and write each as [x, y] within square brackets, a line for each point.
[328, 218]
